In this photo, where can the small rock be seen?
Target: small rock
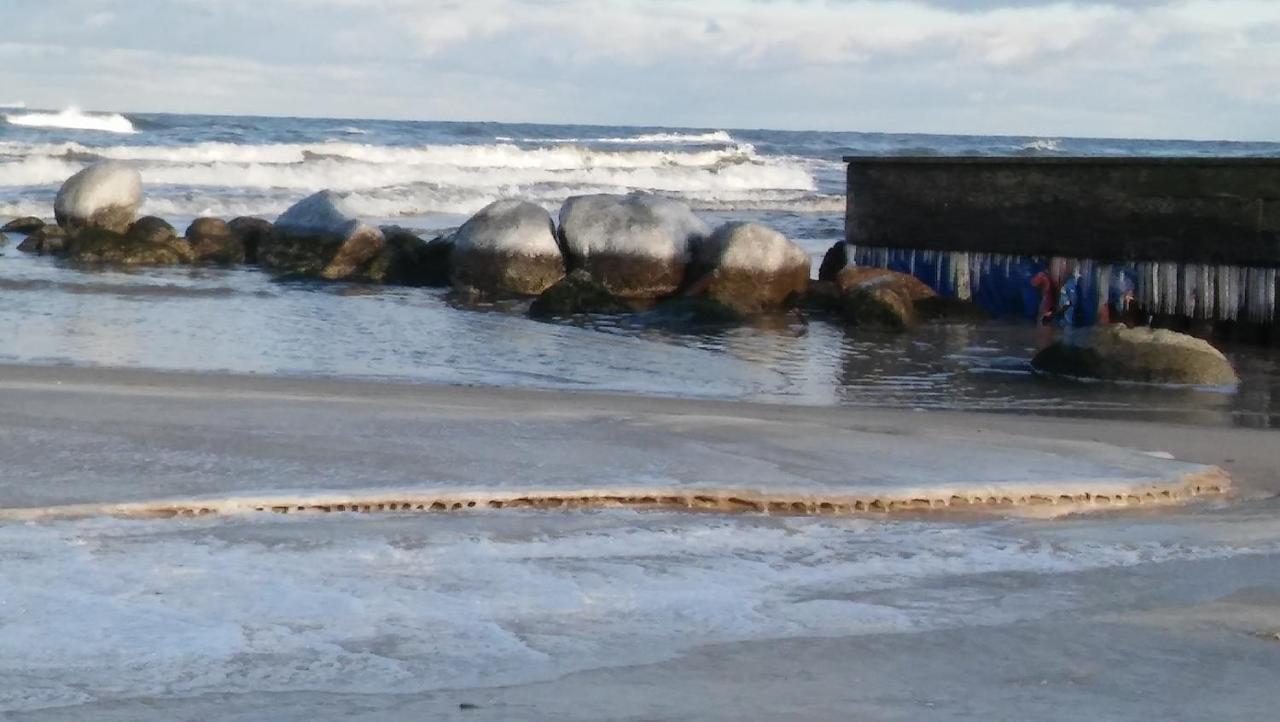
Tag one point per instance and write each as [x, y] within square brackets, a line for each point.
[153, 229]
[879, 306]
[102, 246]
[212, 242]
[26, 224]
[1119, 353]
[250, 233]
[46, 241]
[866, 276]
[407, 260]
[578, 292]
[834, 261]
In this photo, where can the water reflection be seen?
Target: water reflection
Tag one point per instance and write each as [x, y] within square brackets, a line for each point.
[241, 321]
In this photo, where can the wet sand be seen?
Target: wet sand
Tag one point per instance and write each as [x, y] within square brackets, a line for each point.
[1134, 613]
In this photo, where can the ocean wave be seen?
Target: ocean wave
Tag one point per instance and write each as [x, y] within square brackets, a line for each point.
[1042, 145]
[718, 137]
[73, 119]
[16, 105]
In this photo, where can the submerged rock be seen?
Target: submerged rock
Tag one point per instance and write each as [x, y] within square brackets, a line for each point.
[578, 292]
[26, 224]
[104, 195]
[151, 228]
[46, 241]
[250, 233]
[407, 260]
[751, 268]
[637, 245]
[321, 237]
[1119, 353]
[212, 241]
[99, 245]
[509, 247]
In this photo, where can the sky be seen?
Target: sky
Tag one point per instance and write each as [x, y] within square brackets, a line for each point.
[1204, 69]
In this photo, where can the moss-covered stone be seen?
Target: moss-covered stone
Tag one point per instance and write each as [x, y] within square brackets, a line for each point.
[26, 224]
[578, 292]
[153, 229]
[99, 245]
[1118, 353]
[878, 307]
[408, 260]
[212, 242]
[45, 241]
[250, 232]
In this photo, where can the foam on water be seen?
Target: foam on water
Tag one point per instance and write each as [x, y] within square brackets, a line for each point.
[74, 119]
[109, 610]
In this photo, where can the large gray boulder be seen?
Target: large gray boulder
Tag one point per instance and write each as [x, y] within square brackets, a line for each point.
[1119, 353]
[637, 245]
[104, 195]
[751, 268]
[321, 236]
[509, 247]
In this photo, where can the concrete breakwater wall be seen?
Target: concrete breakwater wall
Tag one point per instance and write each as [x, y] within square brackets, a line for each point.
[1191, 237]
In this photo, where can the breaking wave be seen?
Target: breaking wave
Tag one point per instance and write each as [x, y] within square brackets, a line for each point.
[390, 181]
[73, 119]
[1043, 145]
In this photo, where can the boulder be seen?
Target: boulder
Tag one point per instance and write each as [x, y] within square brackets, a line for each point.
[102, 246]
[46, 241]
[320, 236]
[578, 292]
[508, 248]
[1119, 353]
[834, 261]
[751, 268]
[250, 232]
[407, 260]
[104, 195]
[877, 306]
[212, 242]
[153, 229]
[26, 224]
[910, 286]
[637, 245]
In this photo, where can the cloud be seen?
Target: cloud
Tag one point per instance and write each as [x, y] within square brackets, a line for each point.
[1140, 67]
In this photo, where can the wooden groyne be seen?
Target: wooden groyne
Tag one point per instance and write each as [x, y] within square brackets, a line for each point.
[1197, 238]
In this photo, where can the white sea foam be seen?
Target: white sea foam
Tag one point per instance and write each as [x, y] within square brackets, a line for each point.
[390, 181]
[1043, 145]
[16, 105]
[718, 137]
[74, 119]
[109, 610]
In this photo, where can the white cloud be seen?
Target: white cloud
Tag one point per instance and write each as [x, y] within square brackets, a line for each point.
[1176, 67]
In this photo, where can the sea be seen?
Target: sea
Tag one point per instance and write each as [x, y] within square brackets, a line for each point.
[430, 176]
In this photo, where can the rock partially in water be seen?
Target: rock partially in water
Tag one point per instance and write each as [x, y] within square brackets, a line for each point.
[752, 268]
[26, 224]
[637, 245]
[45, 241]
[212, 241]
[250, 232]
[865, 276]
[835, 260]
[153, 229]
[407, 260]
[941, 308]
[102, 246]
[105, 195]
[877, 306]
[1119, 353]
[578, 292]
[321, 237]
[508, 248]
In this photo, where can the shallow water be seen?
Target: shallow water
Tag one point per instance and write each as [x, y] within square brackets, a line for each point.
[240, 320]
